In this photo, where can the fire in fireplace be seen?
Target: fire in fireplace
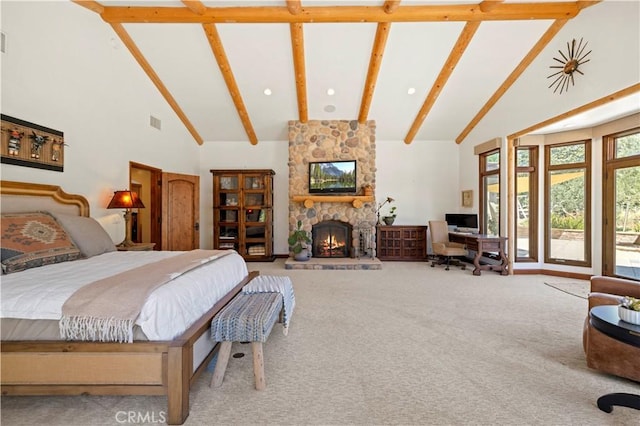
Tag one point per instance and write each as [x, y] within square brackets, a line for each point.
[331, 238]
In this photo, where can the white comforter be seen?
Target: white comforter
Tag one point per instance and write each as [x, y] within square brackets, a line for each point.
[39, 293]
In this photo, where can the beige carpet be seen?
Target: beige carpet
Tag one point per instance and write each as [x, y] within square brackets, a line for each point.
[406, 345]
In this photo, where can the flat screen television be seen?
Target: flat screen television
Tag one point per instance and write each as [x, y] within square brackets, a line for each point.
[462, 220]
[332, 177]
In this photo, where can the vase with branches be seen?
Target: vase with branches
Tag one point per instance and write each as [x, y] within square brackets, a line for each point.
[389, 217]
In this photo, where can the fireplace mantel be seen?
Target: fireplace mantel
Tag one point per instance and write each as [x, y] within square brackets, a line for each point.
[356, 201]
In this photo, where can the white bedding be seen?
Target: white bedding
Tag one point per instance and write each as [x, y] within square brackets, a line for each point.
[39, 293]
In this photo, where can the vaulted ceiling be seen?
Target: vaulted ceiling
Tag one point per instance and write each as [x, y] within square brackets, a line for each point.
[476, 70]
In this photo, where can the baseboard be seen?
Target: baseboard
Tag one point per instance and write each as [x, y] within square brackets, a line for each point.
[564, 274]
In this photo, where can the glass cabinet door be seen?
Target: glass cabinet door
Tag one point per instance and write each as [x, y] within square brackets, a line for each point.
[228, 215]
[229, 182]
[254, 182]
[253, 199]
[228, 199]
[228, 238]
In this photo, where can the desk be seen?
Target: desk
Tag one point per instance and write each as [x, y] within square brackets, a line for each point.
[605, 319]
[482, 243]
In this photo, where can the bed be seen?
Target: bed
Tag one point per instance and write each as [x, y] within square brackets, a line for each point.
[41, 364]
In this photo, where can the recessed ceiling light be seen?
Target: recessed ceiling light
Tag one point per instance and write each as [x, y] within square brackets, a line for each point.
[267, 91]
[411, 90]
[330, 108]
[330, 92]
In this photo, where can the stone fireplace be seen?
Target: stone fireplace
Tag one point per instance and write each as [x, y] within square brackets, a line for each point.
[333, 140]
[331, 238]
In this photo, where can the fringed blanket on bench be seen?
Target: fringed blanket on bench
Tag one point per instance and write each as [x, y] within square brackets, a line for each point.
[106, 310]
[275, 284]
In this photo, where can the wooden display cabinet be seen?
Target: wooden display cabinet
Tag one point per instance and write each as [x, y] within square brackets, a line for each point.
[243, 212]
[401, 242]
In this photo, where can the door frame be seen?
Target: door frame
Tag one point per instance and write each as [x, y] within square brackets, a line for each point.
[155, 208]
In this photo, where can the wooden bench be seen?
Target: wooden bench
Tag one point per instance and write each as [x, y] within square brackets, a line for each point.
[249, 317]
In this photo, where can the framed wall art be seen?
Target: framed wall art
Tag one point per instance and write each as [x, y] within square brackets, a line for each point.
[31, 145]
[467, 198]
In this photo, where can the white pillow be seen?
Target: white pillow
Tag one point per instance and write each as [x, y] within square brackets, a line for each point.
[88, 235]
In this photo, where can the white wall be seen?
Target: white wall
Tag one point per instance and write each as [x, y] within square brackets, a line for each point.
[422, 177]
[64, 69]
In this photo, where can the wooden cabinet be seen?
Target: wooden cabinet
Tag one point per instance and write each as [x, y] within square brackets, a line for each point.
[401, 242]
[243, 212]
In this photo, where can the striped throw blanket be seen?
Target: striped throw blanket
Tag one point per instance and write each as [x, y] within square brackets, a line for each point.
[106, 310]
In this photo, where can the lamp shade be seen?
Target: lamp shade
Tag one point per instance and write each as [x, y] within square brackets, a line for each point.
[125, 200]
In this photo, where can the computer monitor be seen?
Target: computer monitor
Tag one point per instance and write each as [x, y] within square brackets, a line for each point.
[467, 221]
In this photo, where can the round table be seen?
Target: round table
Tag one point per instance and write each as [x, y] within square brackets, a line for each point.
[605, 319]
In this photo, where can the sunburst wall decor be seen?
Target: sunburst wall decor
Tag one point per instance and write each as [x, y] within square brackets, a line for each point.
[570, 63]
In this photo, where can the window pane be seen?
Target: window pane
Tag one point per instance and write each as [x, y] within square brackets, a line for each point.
[523, 158]
[567, 204]
[628, 146]
[523, 201]
[492, 161]
[568, 154]
[492, 205]
[627, 232]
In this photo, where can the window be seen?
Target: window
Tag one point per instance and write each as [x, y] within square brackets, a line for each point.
[621, 205]
[490, 192]
[526, 214]
[568, 203]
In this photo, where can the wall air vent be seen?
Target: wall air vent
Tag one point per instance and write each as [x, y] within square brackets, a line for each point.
[155, 122]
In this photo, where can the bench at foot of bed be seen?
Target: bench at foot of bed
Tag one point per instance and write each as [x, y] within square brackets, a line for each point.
[249, 317]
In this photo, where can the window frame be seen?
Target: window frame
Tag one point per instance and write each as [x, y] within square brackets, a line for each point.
[532, 170]
[548, 168]
[483, 173]
[611, 163]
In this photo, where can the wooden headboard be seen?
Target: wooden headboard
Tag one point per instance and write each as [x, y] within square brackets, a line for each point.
[24, 197]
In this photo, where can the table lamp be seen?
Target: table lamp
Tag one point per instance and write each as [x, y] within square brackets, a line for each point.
[126, 200]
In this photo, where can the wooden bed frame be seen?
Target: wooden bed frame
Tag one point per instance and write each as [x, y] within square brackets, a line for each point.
[87, 368]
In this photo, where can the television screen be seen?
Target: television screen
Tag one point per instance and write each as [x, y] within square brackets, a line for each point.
[327, 177]
[462, 220]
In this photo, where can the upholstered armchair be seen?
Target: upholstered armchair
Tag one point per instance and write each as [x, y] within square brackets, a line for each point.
[605, 353]
[442, 247]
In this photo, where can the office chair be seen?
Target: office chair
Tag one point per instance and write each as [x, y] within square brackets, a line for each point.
[442, 247]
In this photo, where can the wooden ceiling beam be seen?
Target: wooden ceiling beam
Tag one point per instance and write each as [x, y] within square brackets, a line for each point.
[139, 57]
[297, 47]
[377, 52]
[489, 5]
[90, 4]
[325, 14]
[461, 45]
[294, 6]
[591, 105]
[390, 6]
[195, 6]
[225, 68]
[515, 74]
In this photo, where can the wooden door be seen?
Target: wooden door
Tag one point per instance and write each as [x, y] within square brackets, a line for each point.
[180, 212]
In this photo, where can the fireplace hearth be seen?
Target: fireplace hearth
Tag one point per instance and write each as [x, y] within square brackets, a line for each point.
[331, 238]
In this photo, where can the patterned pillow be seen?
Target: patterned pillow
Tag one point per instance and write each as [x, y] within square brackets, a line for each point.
[33, 239]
